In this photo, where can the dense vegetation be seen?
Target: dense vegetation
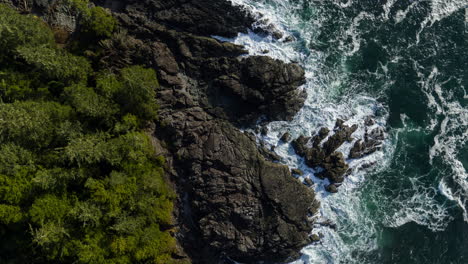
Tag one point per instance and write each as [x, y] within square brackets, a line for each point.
[79, 178]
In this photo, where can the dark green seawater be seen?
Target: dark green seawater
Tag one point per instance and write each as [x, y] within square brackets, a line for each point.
[406, 63]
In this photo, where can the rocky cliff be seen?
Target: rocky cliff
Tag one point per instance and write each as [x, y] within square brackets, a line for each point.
[234, 204]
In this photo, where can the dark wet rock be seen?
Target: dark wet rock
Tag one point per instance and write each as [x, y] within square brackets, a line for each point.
[342, 134]
[244, 219]
[300, 145]
[322, 134]
[261, 86]
[328, 223]
[286, 137]
[368, 165]
[369, 121]
[325, 155]
[297, 172]
[362, 148]
[264, 130]
[269, 154]
[376, 134]
[339, 123]
[289, 39]
[315, 237]
[314, 157]
[371, 143]
[264, 26]
[334, 167]
[332, 188]
[308, 182]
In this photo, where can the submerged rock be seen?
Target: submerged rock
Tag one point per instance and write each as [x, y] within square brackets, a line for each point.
[308, 182]
[286, 137]
[315, 237]
[331, 188]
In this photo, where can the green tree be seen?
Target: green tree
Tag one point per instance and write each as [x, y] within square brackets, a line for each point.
[79, 178]
[87, 102]
[32, 124]
[138, 94]
[17, 30]
[99, 23]
[55, 64]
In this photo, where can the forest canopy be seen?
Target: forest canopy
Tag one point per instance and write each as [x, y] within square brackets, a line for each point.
[79, 178]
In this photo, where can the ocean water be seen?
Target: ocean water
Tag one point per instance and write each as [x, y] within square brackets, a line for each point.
[404, 62]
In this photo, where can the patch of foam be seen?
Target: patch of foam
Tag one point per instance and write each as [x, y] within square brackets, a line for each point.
[452, 136]
[266, 46]
[440, 9]
[420, 208]
[401, 14]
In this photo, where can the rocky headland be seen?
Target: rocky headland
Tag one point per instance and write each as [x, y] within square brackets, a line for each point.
[233, 202]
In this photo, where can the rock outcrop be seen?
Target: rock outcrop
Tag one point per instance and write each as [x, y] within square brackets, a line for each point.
[325, 155]
[319, 154]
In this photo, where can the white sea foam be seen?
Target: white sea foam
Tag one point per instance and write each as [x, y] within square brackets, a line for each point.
[452, 136]
[440, 9]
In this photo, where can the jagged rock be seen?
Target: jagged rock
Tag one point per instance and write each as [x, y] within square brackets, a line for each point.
[342, 134]
[376, 134]
[334, 167]
[315, 238]
[308, 182]
[322, 134]
[264, 130]
[314, 157]
[372, 142]
[289, 39]
[332, 162]
[286, 137]
[339, 123]
[368, 165]
[328, 223]
[297, 172]
[331, 188]
[369, 121]
[300, 145]
[269, 154]
[254, 209]
[262, 86]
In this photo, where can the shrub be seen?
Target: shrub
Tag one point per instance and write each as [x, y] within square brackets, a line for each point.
[56, 64]
[99, 23]
[32, 124]
[138, 94]
[17, 30]
[87, 102]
